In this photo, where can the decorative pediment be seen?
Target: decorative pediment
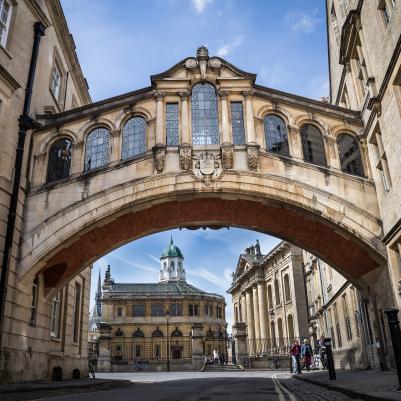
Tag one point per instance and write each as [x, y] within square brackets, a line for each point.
[204, 66]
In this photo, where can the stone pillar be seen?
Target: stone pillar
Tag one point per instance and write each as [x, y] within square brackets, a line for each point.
[250, 123]
[241, 349]
[294, 138]
[363, 146]
[333, 157]
[104, 357]
[225, 126]
[256, 319]
[249, 321]
[160, 137]
[264, 335]
[243, 308]
[184, 118]
[198, 358]
[115, 151]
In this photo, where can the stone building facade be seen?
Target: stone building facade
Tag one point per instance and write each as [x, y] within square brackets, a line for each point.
[268, 294]
[336, 309]
[365, 76]
[155, 322]
[48, 326]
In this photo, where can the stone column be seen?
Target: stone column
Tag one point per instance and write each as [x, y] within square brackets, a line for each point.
[241, 349]
[160, 137]
[250, 124]
[243, 308]
[333, 157]
[256, 319]
[225, 126]
[363, 146]
[249, 321]
[185, 147]
[294, 138]
[159, 150]
[115, 151]
[184, 118]
[198, 358]
[104, 357]
[263, 315]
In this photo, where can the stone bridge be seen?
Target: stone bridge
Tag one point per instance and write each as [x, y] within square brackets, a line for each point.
[202, 146]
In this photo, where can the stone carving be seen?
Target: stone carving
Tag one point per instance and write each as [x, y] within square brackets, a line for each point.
[248, 92]
[202, 61]
[186, 158]
[184, 94]
[159, 155]
[227, 156]
[207, 166]
[253, 157]
[159, 95]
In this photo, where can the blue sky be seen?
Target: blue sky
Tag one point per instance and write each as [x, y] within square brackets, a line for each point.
[121, 43]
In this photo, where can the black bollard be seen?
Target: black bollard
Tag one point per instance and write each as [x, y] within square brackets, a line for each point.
[330, 360]
[394, 326]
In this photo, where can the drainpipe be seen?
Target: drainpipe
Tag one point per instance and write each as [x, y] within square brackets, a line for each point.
[25, 123]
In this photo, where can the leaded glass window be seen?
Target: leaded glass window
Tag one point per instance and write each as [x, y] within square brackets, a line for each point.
[134, 138]
[312, 145]
[350, 155]
[97, 148]
[172, 124]
[237, 123]
[58, 166]
[204, 113]
[276, 135]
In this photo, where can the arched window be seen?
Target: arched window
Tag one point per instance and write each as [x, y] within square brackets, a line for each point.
[350, 155]
[134, 138]
[58, 166]
[138, 333]
[204, 113]
[280, 331]
[277, 292]
[290, 322]
[276, 135]
[97, 148]
[287, 289]
[273, 332]
[270, 296]
[176, 333]
[312, 145]
[157, 333]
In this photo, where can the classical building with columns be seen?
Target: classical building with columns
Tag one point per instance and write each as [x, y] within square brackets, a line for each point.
[154, 322]
[268, 294]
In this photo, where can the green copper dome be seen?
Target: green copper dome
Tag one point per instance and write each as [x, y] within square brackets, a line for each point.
[172, 251]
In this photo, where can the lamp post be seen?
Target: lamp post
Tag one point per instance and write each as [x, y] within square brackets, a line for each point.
[168, 342]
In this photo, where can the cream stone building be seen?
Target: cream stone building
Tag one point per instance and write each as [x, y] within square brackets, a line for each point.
[49, 328]
[268, 294]
[203, 145]
[154, 322]
[365, 76]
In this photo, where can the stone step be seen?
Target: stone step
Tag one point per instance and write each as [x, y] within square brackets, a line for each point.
[224, 368]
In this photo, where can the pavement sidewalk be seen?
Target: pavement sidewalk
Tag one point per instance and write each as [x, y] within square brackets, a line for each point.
[368, 385]
[42, 389]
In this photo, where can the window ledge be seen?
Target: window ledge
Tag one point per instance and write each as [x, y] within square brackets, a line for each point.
[6, 52]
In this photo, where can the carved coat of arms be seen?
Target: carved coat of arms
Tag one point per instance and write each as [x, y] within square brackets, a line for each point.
[207, 166]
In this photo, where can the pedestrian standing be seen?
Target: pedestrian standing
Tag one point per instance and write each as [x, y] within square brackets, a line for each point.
[306, 354]
[295, 357]
[322, 352]
[216, 356]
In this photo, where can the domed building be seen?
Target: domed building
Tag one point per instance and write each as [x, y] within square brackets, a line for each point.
[152, 323]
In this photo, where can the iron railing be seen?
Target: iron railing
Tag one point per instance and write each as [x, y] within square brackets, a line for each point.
[273, 346]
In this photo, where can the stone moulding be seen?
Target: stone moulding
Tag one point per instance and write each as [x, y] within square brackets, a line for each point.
[207, 166]
[186, 157]
[227, 156]
[253, 156]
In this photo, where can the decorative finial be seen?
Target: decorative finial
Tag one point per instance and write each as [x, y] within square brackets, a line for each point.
[171, 240]
[202, 53]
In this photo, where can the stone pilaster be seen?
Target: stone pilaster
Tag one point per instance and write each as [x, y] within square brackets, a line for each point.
[185, 140]
[250, 123]
[225, 126]
[241, 348]
[294, 139]
[160, 137]
[104, 357]
[197, 346]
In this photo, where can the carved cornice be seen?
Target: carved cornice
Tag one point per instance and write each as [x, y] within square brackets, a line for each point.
[184, 94]
[223, 93]
[248, 92]
[159, 95]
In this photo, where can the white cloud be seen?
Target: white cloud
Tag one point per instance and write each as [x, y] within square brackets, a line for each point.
[137, 265]
[229, 47]
[303, 22]
[200, 5]
[154, 258]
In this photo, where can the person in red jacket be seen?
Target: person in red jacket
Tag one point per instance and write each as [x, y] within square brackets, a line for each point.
[295, 357]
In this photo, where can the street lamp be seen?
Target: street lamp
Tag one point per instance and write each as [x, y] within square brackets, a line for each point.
[168, 342]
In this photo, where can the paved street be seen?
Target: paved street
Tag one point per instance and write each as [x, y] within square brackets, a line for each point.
[194, 386]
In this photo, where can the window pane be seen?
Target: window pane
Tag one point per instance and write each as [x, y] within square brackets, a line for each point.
[176, 309]
[312, 145]
[204, 112]
[237, 123]
[58, 166]
[276, 135]
[157, 310]
[134, 138]
[172, 124]
[97, 149]
[350, 156]
[138, 310]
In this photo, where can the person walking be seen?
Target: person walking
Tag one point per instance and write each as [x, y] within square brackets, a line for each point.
[306, 354]
[216, 357]
[322, 352]
[295, 357]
